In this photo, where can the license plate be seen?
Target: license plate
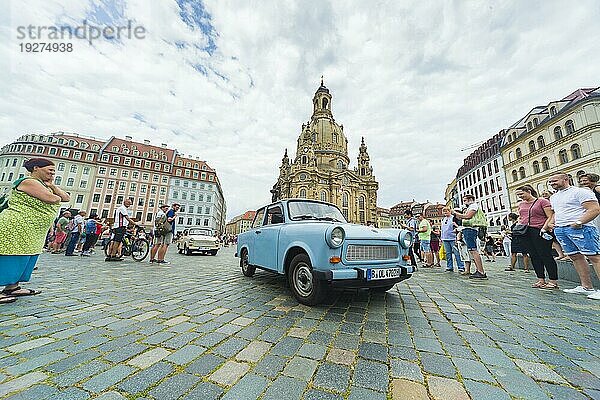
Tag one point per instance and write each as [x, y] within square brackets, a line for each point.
[375, 274]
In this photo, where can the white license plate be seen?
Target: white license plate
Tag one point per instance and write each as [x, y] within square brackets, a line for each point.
[374, 274]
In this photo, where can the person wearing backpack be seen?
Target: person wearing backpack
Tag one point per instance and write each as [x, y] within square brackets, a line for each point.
[473, 219]
[33, 204]
[90, 235]
[164, 224]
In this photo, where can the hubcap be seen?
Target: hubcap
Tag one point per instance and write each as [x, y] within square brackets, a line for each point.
[245, 262]
[303, 280]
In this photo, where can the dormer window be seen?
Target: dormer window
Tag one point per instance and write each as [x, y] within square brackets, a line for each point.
[529, 126]
[552, 111]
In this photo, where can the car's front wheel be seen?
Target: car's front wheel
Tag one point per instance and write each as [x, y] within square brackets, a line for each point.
[247, 269]
[187, 250]
[305, 287]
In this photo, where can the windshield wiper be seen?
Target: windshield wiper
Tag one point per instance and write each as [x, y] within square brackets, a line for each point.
[329, 219]
[304, 216]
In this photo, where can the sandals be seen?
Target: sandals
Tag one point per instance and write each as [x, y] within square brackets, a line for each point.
[549, 286]
[538, 284]
[26, 292]
[7, 299]
[509, 269]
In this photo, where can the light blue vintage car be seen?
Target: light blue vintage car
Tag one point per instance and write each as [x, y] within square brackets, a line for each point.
[316, 248]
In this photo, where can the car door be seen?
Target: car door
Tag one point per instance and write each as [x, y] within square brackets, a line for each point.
[250, 237]
[267, 238]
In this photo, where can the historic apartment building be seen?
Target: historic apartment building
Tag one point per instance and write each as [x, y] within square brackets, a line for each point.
[482, 175]
[383, 218]
[563, 135]
[75, 156]
[320, 168]
[432, 212]
[99, 175]
[240, 223]
[196, 188]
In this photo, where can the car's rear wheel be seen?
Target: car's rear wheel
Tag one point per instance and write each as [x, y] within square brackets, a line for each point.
[247, 269]
[305, 287]
[213, 252]
[188, 251]
[382, 289]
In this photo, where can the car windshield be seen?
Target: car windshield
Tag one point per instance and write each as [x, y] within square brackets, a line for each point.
[299, 210]
[204, 232]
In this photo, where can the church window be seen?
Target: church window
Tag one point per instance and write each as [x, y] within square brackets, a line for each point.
[325, 103]
[335, 137]
[302, 177]
[304, 160]
[323, 195]
[361, 209]
[345, 204]
[302, 193]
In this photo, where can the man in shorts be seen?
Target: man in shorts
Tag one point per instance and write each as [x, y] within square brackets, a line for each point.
[122, 220]
[573, 221]
[469, 234]
[163, 235]
[424, 231]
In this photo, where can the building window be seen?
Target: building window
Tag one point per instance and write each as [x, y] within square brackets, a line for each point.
[61, 166]
[79, 199]
[113, 172]
[552, 111]
[73, 168]
[536, 167]
[518, 153]
[110, 184]
[522, 172]
[563, 157]
[302, 193]
[57, 180]
[540, 142]
[206, 222]
[149, 217]
[96, 198]
[545, 164]
[496, 166]
[323, 196]
[575, 151]
[557, 133]
[529, 126]
[345, 201]
[569, 127]
[70, 182]
[83, 184]
[514, 175]
[535, 122]
[180, 221]
[531, 146]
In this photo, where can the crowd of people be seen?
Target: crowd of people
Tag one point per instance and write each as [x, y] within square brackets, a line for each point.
[566, 221]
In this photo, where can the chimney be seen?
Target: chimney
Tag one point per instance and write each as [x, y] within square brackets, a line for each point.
[163, 145]
[146, 141]
[128, 138]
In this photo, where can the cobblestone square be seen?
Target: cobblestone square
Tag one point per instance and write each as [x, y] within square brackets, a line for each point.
[198, 329]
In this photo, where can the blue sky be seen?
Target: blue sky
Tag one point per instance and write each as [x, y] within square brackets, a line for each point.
[232, 81]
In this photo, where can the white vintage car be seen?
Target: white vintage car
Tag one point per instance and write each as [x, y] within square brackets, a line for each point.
[200, 240]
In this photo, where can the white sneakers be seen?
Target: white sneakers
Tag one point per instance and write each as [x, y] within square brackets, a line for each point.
[592, 293]
[595, 296]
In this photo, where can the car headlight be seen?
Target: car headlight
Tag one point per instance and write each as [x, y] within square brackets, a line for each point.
[405, 238]
[335, 237]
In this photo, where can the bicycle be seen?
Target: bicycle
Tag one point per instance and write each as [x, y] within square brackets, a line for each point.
[136, 246]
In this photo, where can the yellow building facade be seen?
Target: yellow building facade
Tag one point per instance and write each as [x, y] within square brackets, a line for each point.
[561, 136]
[320, 169]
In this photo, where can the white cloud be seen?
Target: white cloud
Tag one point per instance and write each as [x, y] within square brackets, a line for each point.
[419, 80]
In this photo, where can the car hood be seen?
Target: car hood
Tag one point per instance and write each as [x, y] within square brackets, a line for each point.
[354, 231]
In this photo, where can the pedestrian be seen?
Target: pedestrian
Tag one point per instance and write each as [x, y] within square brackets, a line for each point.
[574, 212]
[434, 243]
[412, 225]
[60, 234]
[590, 181]
[76, 231]
[33, 204]
[90, 235]
[490, 249]
[505, 235]
[122, 219]
[448, 237]
[163, 235]
[534, 214]
[424, 233]
[516, 245]
[472, 219]
[560, 255]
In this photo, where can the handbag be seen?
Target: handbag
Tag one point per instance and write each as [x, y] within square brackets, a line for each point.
[521, 229]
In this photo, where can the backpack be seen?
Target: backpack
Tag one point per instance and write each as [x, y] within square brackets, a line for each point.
[90, 227]
[70, 225]
[5, 196]
[162, 225]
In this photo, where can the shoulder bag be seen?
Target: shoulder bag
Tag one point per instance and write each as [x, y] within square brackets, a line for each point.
[520, 229]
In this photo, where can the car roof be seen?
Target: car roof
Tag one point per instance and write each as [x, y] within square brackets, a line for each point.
[298, 199]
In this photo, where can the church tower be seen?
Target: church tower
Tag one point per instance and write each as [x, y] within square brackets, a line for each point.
[320, 169]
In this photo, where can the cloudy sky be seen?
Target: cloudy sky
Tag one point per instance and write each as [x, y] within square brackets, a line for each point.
[232, 81]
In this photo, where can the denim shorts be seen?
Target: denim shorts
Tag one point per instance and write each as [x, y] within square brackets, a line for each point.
[585, 241]
[425, 245]
[470, 237]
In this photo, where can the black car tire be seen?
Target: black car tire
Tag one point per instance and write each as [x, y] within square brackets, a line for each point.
[307, 289]
[187, 251]
[247, 269]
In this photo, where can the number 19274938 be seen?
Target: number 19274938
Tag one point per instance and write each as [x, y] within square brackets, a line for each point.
[43, 47]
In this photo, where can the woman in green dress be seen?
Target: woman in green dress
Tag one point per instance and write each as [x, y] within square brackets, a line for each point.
[32, 206]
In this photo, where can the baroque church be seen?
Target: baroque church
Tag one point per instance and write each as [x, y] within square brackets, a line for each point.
[321, 170]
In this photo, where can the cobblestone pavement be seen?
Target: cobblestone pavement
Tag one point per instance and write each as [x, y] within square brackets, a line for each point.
[198, 329]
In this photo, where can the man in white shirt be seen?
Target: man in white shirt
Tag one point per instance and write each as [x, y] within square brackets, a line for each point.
[469, 233]
[574, 212]
[122, 220]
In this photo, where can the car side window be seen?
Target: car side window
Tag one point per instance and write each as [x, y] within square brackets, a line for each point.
[274, 215]
[258, 219]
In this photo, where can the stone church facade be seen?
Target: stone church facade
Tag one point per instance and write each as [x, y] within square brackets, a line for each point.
[320, 169]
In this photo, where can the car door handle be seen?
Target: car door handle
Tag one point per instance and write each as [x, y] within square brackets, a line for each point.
[257, 232]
